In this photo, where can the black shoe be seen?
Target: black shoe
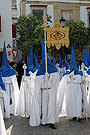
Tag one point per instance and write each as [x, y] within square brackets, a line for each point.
[52, 126]
[74, 118]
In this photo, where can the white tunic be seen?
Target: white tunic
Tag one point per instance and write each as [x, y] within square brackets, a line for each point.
[25, 95]
[39, 103]
[74, 96]
[61, 94]
[12, 91]
[70, 87]
[61, 72]
[3, 103]
[87, 94]
[2, 125]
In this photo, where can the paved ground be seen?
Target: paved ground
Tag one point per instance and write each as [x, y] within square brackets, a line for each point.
[18, 125]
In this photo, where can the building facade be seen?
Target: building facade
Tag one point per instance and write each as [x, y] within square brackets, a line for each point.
[5, 28]
[15, 9]
[76, 9]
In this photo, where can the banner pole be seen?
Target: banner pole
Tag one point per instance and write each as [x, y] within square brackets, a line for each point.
[45, 25]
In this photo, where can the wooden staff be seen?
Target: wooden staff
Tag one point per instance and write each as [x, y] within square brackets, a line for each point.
[85, 99]
[45, 24]
[24, 67]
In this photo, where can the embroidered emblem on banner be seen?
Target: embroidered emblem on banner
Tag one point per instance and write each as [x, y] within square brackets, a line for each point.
[58, 36]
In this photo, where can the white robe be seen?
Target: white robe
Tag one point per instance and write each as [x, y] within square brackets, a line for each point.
[25, 95]
[74, 96]
[61, 72]
[2, 125]
[70, 87]
[61, 95]
[39, 103]
[87, 94]
[12, 91]
[3, 103]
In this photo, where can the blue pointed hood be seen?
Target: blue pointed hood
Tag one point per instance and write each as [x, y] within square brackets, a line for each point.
[1, 82]
[50, 66]
[30, 66]
[36, 62]
[77, 71]
[30, 58]
[88, 71]
[61, 62]
[66, 65]
[89, 60]
[4, 60]
[73, 64]
[85, 59]
[5, 68]
[43, 49]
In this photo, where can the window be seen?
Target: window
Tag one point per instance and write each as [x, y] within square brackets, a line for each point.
[13, 3]
[13, 31]
[66, 14]
[38, 13]
[38, 10]
[89, 18]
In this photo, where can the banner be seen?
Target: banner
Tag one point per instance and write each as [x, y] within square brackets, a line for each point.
[58, 36]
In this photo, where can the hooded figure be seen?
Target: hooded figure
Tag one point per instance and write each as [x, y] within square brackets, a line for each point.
[10, 81]
[2, 125]
[3, 98]
[53, 59]
[6, 70]
[89, 60]
[61, 68]
[30, 66]
[36, 62]
[20, 71]
[46, 84]
[86, 66]
[71, 85]
[66, 64]
[26, 89]
[87, 89]
[85, 59]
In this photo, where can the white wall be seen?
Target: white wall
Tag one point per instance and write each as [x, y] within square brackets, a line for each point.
[28, 11]
[6, 25]
[83, 14]
[50, 12]
[68, 1]
[18, 8]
